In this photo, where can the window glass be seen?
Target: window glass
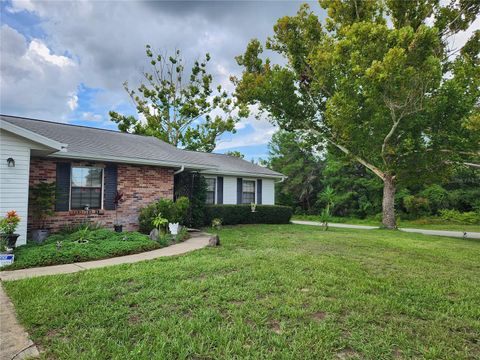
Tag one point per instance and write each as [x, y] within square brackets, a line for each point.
[86, 188]
[210, 190]
[248, 191]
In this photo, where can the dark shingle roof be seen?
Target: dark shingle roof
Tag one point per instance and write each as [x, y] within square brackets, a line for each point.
[104, 144]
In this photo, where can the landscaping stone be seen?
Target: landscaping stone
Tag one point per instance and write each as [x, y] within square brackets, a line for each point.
[214, 240]
[154, 234]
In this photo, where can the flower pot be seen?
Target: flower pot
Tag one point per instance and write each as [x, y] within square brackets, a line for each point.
[11, 239]
[118, 228]
[40, 235]
[173, 227]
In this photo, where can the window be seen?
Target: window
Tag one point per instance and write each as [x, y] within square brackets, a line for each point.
[248, 191]
[86, 188]
[210, 190]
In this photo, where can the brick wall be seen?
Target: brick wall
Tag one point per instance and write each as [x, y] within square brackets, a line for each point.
[140, 186]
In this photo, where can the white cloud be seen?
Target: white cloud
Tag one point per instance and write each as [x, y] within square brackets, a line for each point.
[90, 116]
[33, 80]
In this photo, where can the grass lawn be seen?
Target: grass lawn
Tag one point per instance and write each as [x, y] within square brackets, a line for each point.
[424, 223]
[269, 292]
[81, 246]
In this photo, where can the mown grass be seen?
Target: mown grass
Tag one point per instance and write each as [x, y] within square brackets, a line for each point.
[79, 246]
[432, 223]
[269, 292]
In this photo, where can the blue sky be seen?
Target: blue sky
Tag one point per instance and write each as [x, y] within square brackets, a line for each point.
[66, 61]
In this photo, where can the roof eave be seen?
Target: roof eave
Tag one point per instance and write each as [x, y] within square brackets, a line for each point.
[127, 160]
[30, 135]
[244, 174]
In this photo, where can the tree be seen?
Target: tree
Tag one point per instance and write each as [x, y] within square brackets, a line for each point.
[288, 155]
[235, 153]
[390, 95]
[179, 108]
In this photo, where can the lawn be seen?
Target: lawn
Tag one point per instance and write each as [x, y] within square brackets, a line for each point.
[432, 223]
[269, 292]
[83, 245]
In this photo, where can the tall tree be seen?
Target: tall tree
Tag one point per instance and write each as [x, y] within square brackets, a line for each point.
[377, 81]
[289, 155]
[178, 107]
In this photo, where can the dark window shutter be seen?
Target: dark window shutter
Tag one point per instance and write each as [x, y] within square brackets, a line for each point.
[259, 191]
[239, 190]
[62, 193]
[220, 190]
[110, 190]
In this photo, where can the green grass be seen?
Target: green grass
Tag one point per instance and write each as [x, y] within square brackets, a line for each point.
[269, 292]
[101, 244]
[431, 223]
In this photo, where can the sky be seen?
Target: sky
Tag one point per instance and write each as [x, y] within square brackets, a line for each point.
[66, 61]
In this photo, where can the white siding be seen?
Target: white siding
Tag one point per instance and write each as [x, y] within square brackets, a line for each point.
[14, 180]
[268, 192]
[230, 190]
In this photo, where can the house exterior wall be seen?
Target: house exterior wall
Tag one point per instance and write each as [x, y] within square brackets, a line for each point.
[140, 185]
[230, 189]
[14, 180]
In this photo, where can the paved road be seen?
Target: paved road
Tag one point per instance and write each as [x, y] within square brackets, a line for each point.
[460, 234]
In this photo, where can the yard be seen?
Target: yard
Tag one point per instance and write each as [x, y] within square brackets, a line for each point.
[270, 291]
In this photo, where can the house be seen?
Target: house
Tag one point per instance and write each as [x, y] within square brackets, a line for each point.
[89, 166]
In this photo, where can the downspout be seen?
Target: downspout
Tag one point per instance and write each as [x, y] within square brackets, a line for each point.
[179, 171]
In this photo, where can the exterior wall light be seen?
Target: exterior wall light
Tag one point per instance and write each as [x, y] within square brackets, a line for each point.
[11, 162]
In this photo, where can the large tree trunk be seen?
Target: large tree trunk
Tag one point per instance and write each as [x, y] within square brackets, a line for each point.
[388, 203]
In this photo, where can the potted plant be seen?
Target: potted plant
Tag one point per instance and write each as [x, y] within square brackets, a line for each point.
[178, 214]
[8, 225]
[42, 202]
[116, 202]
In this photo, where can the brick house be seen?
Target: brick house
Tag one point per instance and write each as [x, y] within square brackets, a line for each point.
[89, 166]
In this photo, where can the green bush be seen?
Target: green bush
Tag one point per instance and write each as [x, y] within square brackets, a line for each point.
[470, 217]
[172, 211]
[242, 214]
[416, 206]
[437, 197]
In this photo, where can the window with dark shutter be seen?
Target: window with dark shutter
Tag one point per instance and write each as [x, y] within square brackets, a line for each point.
[110, 191]
[259, 191]
[62, 184]
[220, 190]
[87, 187]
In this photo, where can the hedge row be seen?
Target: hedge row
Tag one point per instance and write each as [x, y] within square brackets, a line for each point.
[242, 214]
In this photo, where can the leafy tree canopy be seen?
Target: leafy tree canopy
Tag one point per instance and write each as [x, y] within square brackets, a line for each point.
[178, 107]
[377, 81]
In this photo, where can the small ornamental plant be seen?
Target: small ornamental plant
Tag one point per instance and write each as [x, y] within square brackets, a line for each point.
[9, 223]
[253, 206]
[216, 223]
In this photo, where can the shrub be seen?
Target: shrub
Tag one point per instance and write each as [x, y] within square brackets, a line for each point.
[437, 197]
[470, 217]
[172, 211]
[416, 206]
[242, 214]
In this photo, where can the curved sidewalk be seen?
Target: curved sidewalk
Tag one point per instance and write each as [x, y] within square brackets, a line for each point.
[197, 241]
[459, 234]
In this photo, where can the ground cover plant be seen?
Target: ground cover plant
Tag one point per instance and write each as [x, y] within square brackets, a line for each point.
[81, 245]
[431, 223]
[270, 291]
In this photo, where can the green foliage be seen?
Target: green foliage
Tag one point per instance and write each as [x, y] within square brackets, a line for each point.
[437, 198]
[471, 217]
[291, 157]
[235, 153]
[387, 94]
[416, 206]
[160, 222]
[9, 223]
[242, 214]
[162, 212]
[82, 245]
[42, 201]
[178, 105]
[70, 228]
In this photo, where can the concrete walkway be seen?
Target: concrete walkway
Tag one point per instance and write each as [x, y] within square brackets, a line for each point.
[460, 234]
[197, 241]
[14, 341]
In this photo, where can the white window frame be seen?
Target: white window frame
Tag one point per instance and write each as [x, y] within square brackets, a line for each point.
[215, 188]
[254, 190]
[102, 191]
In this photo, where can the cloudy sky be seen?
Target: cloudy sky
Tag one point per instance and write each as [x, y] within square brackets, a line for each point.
[66, 61]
